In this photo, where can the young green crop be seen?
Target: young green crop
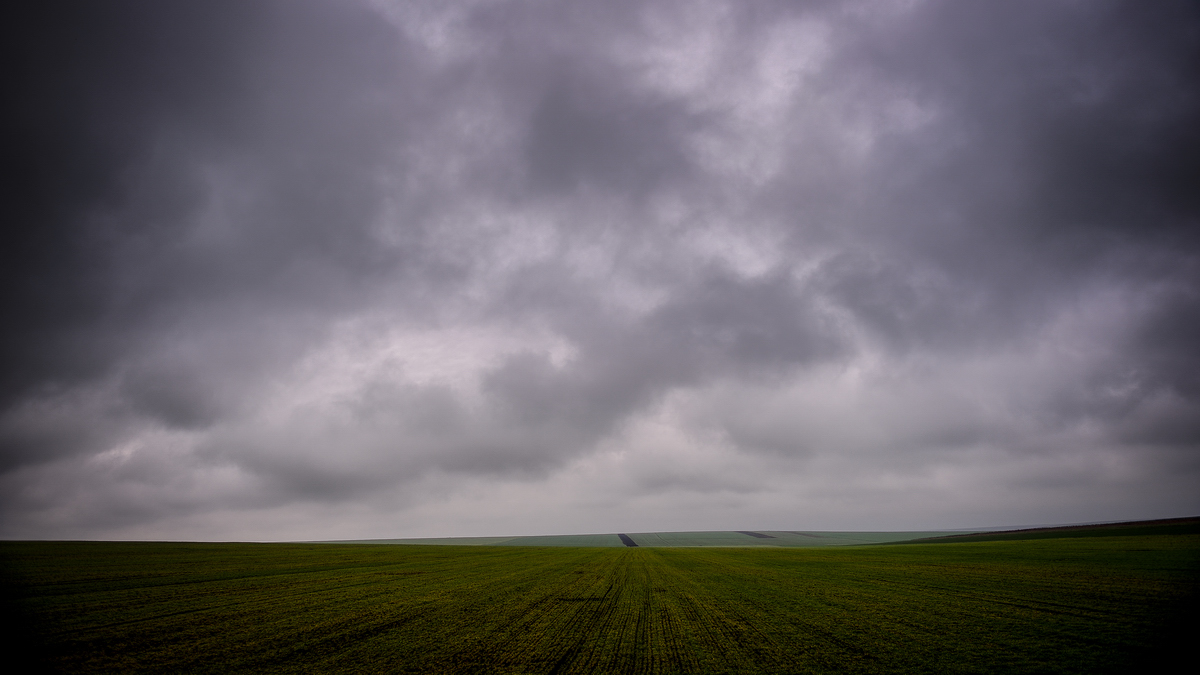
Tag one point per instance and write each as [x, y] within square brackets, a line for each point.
[1052, 605]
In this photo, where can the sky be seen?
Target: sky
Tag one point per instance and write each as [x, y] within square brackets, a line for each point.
[300, 270]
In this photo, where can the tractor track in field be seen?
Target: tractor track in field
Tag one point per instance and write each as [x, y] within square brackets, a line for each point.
[593, 628]
[721, 627]
[621, 633]
[556, 615]
[581, 627]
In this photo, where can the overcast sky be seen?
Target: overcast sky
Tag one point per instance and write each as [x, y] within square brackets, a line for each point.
[315, 270]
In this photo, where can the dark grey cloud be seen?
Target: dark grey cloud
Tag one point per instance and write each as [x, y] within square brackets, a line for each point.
[578, 139]
[131, 112]
[305, 269]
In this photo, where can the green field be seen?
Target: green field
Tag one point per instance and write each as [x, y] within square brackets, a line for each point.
[1074, 605]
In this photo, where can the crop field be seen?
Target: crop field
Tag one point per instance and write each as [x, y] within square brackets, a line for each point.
[1072, 605]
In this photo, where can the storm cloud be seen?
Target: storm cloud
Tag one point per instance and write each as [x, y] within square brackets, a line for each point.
[305, 270]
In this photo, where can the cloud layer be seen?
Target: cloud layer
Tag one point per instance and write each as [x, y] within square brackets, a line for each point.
[337, 270]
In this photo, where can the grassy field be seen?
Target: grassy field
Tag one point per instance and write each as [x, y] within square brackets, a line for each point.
[1071, 605]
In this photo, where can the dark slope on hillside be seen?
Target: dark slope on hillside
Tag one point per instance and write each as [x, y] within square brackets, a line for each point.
[1189, 525]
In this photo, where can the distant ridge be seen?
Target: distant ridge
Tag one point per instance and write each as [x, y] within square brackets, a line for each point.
[725, 538]
[804, 539]
[1186, 525]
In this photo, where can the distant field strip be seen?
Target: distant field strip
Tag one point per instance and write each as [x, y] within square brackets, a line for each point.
[1079, 605]
[672, 539]
[626, 540]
